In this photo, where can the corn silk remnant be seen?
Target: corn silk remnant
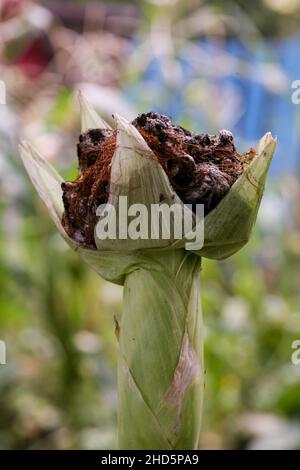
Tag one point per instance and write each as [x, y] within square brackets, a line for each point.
[201, 169]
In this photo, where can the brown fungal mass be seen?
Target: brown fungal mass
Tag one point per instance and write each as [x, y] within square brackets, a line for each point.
[201, 169]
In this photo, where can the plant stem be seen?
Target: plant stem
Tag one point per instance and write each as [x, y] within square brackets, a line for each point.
[160, 363]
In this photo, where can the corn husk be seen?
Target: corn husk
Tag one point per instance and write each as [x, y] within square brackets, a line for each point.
[136, 174]
[228, 227]
[160, 367]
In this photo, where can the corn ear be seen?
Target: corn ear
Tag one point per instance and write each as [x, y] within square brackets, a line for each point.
[160, 357]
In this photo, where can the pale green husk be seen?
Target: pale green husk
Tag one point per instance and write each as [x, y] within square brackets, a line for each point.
[160, 371]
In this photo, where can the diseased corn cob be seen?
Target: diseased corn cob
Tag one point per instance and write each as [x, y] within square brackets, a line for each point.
[160, 368]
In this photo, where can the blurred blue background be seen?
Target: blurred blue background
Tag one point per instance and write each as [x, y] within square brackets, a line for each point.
[253, 87]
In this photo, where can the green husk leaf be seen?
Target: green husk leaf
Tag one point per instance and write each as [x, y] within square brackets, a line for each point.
[46, 181]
